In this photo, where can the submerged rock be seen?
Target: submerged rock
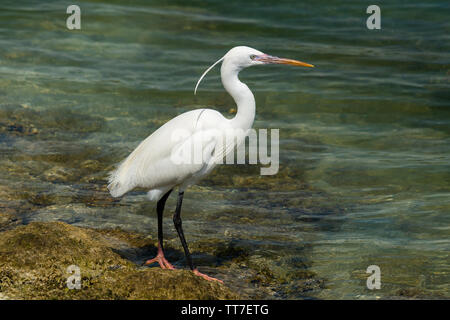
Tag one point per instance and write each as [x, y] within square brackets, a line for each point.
[8, 220]
[60, 174]
[25, 120]
[34, 261]
[259, 273]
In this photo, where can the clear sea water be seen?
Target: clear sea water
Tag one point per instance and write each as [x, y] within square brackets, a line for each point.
[364, 137]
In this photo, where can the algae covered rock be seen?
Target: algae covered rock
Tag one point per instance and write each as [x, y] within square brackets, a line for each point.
[34, 262]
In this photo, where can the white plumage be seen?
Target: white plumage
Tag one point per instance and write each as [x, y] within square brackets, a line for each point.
[150, 165]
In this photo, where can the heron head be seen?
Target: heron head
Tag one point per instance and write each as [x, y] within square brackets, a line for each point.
[242, 57]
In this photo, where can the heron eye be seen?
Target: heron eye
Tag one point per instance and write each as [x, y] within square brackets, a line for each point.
[252, 56]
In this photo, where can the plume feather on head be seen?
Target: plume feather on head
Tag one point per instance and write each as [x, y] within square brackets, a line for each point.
[204, 73]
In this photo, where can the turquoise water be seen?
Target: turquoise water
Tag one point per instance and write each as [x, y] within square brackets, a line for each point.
[364, 136]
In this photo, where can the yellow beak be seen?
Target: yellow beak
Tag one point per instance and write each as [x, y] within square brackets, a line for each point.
[271, 59]
[293, 62]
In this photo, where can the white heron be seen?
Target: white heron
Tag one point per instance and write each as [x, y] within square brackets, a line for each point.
[151, 164]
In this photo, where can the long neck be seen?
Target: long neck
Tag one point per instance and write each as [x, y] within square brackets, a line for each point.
[241, 94]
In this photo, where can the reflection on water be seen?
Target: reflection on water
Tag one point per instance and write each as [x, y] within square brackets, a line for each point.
[364, 150]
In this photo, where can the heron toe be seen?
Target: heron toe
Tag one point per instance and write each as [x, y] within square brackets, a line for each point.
[206, 277]
[162, 261]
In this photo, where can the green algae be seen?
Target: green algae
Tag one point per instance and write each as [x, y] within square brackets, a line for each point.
[34, 261]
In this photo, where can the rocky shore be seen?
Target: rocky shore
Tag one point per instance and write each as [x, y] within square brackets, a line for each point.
[34, 259]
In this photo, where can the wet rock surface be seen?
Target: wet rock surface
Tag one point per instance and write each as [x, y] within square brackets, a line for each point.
[34, 259]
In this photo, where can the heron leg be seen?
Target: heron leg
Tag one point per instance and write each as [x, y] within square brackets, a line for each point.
[178, 225]
[160, 255]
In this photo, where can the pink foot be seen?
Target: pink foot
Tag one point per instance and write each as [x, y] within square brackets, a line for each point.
[163, 263]
[204, 276]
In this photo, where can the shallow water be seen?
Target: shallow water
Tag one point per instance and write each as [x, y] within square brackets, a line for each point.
[364, 136]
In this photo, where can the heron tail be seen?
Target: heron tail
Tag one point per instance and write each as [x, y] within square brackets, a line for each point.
[115, 189]
[118, 183]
